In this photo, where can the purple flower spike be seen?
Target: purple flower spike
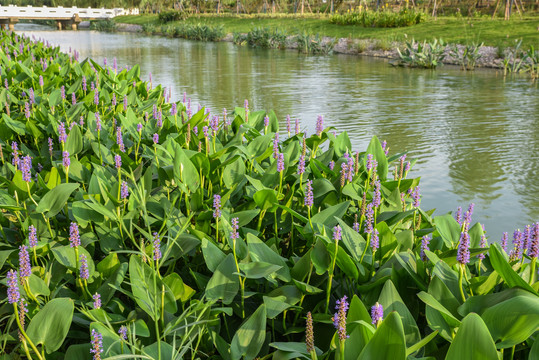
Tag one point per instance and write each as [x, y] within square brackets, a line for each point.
[32, 236]
[369, 224]
[235, 226]
[156, 246]
[84, 85]
[463, 252]
[156, 138]
[63, 92]
[276, 146]
[288, 124]
[26, 165]
[74, 237]
[331, 165]
[83, 267]
[416, 196]
[377, 197]
[216, 206]
[301, 164]
[118, 161]
[375, 240]
[369, 162]
[266, 121]
[123, 332]
[66, 160]
[468, 215]
[24, 262]
[505, 236]
[280, 163]
[62, 136]
[139, 127]
[119, 139]
[377, 314]
[96, 97]
[40, 80]
[125, 102]
[458, 215]
[27, 110]
[337, 233]
[97, 344]
[13, 294]
[339, 319]
[297, 126]
[534, 244]
[518, 245]
[97, 300]
[309, 201]
[319, 125]
[483, 243]
[425, 241]
[97, 122]
[527, 238]
[124, 192]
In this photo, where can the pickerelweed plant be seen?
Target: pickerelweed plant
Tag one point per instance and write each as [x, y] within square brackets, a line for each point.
[139, 227]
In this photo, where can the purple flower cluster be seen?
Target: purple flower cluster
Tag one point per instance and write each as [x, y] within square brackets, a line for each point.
[123, 332]
[119, 139]
[216, 206]
[32, 236]
[235, 226]
[458, 215]
[297, 127]
[125, 102]
[377, 313]
[416, 196]
[13, 294]
[518, 245]
[97, 122]
[97, 344]
[301, 164]
[84, 273]
[377, 197]
[156, 246]
[356, 224]
[309, 201]
[505, 237]
[97, 300]
[534, 243]
[288, 124]
[266, 121]
[337, 233]
[331, 165]
[74, 237]
[118, 161]
[319, 125]
[124, 191]
[50, 146]
[276, 146]
[65, 159]
[425, 241]
[156, 138]
[483, 242]
[339, 319]
[62, 136]
[26, 165]
[369, 224]
[24, 262]
[463, 252]
[375, 240]
[280, 162]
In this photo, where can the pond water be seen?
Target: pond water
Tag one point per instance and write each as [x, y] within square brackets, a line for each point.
[475, 135]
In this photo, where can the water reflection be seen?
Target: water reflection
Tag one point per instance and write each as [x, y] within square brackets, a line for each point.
[474, 135]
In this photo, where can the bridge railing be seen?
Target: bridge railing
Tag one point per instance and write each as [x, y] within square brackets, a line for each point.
[62, 12]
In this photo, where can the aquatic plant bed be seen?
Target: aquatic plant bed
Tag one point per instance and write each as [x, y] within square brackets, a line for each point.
[138, 227]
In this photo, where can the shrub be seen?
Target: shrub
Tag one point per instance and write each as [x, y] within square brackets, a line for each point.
[382, 19]
[422, 54]
[103, 25]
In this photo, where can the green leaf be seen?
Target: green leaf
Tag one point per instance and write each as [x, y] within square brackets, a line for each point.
[55, 199]
[329, 216]
[223, 284]
[412, 349]
[435, 304]
[257, 270]
[502, 267]
[259, 251]
[375, 148]
[249, 338]
[265, 198]
[391, 301]
[74, 141]
[388, 341]
[448, 228]
[473, 341]
[51, 324]
[512, 321]
[213, 256]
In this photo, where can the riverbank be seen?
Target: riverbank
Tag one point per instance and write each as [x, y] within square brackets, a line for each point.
[356, 43]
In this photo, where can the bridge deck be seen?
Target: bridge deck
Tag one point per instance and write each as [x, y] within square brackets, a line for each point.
[60, 13]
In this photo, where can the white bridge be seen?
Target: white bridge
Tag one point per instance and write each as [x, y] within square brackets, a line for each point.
[64, 16]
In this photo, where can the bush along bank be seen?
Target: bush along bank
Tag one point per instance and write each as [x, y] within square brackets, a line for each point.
[140, 227]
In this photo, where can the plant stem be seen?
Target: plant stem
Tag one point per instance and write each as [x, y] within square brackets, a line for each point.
[461, 273]
[21, 329]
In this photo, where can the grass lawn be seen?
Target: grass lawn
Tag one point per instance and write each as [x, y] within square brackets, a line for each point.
[453, 30]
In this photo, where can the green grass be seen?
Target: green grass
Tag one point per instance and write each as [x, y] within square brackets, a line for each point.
[452, 30]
